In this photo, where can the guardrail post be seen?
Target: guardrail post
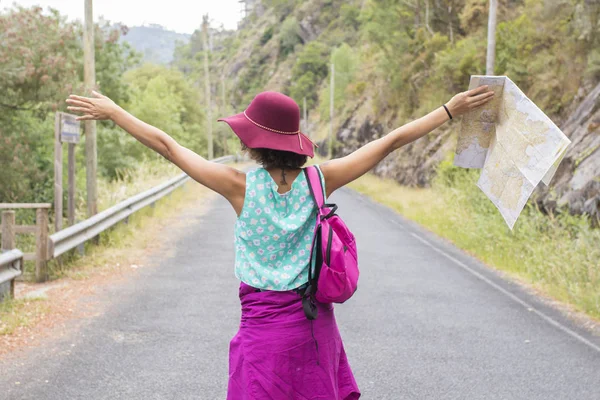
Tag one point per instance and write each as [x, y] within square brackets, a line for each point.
[20, 265]
[41, 245]
[8, 230]
[81, 249]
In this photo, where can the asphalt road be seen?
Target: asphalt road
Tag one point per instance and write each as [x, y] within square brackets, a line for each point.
[427, 322]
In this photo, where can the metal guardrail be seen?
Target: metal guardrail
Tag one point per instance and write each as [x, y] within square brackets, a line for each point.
[11, 266]
[73, 236]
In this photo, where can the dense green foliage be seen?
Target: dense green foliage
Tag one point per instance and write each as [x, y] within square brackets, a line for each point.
[409, 56]
[35, 84]
[164, 98]
[289, 37]
[310, 69]
[41, 63]
[538, 43]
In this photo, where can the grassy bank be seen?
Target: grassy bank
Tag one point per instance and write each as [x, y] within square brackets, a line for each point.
[557, 254]
[20, 313]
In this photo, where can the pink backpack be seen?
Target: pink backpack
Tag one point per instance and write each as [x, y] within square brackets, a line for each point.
[334, 276]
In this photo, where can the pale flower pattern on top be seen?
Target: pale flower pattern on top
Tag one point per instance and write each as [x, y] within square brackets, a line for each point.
[283, 222]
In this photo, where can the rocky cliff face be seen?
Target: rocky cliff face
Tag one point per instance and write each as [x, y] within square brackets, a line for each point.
[412, 165]
[577, 181]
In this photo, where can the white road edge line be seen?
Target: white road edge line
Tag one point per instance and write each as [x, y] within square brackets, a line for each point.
[510, 295]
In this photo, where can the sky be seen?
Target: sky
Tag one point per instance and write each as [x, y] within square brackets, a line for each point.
[182, 16]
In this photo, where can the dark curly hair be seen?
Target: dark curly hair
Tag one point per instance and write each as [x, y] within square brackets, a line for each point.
[269, 158]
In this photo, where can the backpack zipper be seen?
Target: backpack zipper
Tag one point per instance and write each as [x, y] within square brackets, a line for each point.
[329, 245]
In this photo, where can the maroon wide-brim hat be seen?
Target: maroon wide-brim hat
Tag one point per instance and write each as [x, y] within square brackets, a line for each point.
[271, 121]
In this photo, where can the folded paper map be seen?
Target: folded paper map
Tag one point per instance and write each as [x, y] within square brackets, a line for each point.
[514, 143]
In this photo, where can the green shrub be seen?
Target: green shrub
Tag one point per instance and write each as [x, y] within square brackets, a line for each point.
[267, 35]
[310, 69]
[454, 65]
[289, 36]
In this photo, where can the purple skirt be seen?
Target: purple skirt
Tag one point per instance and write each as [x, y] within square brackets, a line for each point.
[277, 354]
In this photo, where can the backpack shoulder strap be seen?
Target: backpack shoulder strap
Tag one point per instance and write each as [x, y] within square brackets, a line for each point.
[314, 183]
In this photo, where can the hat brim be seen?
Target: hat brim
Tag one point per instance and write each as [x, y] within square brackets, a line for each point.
[255, 137]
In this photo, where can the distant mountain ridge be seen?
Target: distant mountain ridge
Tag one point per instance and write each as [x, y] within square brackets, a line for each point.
[155, 42]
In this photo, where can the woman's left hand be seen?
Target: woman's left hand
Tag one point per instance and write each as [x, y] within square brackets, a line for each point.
[98, 107]
[469, 100]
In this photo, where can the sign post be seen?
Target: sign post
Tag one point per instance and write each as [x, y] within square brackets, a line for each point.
[67, 130]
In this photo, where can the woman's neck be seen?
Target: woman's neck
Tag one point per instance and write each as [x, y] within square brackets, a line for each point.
[284, 176]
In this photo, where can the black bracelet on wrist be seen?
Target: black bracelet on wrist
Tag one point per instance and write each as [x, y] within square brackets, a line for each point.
[446, 108]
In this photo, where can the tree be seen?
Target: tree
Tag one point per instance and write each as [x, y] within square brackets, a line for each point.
[164, 97]
[311, 67]
[41, 63]
[39, 59]
[289, 37]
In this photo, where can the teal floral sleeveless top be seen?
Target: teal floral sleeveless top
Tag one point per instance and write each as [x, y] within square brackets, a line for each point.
[274, 232]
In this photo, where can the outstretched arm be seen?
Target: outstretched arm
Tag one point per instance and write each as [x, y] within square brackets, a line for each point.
[221, 178]
[341, 171]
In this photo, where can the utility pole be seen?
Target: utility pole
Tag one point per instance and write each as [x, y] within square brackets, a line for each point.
[331, 97]
[304, 117]
[207, 86]
[89, 72]
[224, 100]
[223, 112]
[491, 40]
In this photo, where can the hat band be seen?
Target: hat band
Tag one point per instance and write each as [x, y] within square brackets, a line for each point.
[282, 132]
[275, 130]
[269, 129]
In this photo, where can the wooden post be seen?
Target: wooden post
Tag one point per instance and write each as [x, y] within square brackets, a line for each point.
[8, 243]
[491, 41]
[331, 97]
[8, 230]
[41, 245]
[89, 72]
[71, 197]
[207, 86]
[58, 186]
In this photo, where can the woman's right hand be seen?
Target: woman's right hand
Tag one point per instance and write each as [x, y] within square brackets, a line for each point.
[98, 107]
[467, 101]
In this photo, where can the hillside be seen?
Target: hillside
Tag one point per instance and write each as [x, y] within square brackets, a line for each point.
[397, 60]
[154, 42]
